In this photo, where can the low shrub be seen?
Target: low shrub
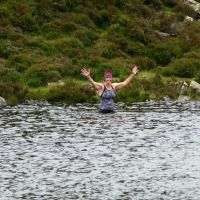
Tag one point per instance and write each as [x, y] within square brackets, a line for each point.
[20, 62]
[132, 93]
[69, 46]
[137, 30]
[69, 93]
[145, 63]
[4, 12]
[86, 36]
[121, 3]
[27, 23]
[121, 67]
[184, 67]
[68, 27]
[165, 21]
[7, 48]
[59, 26]
[9, 75]
[66, 6]
[197, 77]
[154, 3]
[37, 76]
[185, 9]
[169, 3]
[164, 52]
[193, 54]
[191, 32]
[125, 45]
[81, 19]
[106, 49]
[14, 93]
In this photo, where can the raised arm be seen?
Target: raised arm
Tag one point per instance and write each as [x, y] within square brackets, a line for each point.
[86, 72]
[128, 80]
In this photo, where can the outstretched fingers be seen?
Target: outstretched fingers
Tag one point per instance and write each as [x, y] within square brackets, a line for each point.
[85, 72]
[134, 69]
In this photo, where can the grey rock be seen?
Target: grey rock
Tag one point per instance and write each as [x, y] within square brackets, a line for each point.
[195, 86]
[2, 101]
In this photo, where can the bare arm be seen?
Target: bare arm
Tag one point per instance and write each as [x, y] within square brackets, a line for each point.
[86, 73]
[128, 80]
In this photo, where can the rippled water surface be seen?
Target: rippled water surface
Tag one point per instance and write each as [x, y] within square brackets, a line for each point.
[144, 151]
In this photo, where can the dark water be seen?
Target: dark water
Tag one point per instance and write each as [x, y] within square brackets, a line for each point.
[145, 151]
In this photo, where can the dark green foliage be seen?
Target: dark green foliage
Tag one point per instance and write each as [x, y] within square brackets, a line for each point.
[66, 5]
[121, 3]
[197, 77]
[13, 92]
[6, 48]
[20, 62]
[184, 67]
[169, 3]
[192, 31]
[102, 18]
[9, 75]
[40, 75]
[132, 93]
[131, 48]
[138, 30]
[87, 37]
[164, 52]
[145, 63]
[154, 3]
[70, 93]
[185, 9]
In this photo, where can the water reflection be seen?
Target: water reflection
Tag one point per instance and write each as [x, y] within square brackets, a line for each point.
[143, 151]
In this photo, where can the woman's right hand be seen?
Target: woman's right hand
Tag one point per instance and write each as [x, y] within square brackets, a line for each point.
[134, 69]
[85, 72]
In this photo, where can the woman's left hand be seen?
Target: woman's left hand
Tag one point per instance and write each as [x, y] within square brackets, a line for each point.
[135, 69]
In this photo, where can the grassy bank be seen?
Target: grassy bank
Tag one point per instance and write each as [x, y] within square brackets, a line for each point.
[146, 86]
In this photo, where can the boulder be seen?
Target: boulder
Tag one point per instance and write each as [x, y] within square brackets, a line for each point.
[189, 19]
[2, 101]
[194, 4]
[183, 98]
[195, 86]
[59, 83]
[162, 34]
[166, 98]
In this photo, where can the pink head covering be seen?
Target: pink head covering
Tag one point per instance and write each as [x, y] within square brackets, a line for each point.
[108, 74]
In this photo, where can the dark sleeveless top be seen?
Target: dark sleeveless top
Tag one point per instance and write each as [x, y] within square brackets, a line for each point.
[107, 100]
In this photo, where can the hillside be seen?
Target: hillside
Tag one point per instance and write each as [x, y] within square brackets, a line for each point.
[44, 41]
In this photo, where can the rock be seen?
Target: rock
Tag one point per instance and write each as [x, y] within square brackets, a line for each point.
[42, 102]
[162, 34]
[195, 86]
[188, 19]
[2, 101]
[194, 4]
[166, 98]
[59, 83]
[183, 98]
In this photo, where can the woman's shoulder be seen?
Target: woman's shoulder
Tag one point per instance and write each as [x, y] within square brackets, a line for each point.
[114, 85]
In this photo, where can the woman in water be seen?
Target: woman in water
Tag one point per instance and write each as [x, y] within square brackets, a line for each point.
[107, 89]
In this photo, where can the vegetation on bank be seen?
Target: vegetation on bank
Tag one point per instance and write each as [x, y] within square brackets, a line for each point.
[44, 41]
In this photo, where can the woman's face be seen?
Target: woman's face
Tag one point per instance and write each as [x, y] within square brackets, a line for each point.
[108, 79]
